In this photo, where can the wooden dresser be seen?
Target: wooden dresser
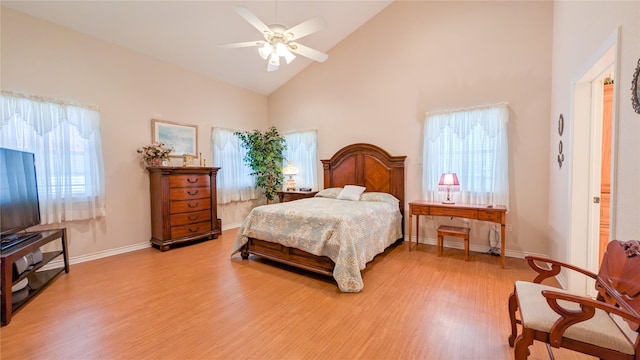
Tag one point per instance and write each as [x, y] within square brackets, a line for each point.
[183, 205]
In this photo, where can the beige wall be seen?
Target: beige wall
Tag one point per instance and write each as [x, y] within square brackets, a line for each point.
[581, 29]
[376, 87]
[130, 89]
[416, 57]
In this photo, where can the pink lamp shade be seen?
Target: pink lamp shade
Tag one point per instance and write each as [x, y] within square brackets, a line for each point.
[449, 182]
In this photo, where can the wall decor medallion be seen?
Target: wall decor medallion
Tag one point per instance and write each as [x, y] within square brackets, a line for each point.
[560, 154]
[635, 89]
[181, 137]
[561, 125]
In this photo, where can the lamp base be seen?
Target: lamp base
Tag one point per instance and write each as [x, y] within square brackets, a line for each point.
[290, 185]
[448, 202]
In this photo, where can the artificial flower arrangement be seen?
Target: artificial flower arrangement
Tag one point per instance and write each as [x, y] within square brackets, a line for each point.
[155, 151]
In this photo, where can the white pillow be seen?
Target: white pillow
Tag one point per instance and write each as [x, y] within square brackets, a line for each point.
[331, 193]
[351, 192]
[379, 196]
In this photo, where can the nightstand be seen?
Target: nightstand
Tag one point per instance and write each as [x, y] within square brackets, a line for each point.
[295, 195]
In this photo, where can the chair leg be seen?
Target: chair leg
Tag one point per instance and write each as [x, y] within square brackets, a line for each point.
[513, 307]
[466, 248]
[440, 244]
[523, 341]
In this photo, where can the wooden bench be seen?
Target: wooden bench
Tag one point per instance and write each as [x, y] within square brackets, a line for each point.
[606, 327]
[455, 231]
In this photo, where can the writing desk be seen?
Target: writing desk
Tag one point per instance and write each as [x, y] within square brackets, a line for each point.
[496, 214]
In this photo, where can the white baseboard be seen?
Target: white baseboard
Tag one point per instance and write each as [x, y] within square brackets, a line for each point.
[475, 247]
[106, 253]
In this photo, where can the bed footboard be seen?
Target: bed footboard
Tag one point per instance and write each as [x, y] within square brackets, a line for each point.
[287, 255]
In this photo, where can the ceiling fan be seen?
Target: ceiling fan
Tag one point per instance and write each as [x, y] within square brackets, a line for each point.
[280, 41]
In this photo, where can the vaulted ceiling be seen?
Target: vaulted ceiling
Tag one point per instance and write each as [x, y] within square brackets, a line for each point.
[188, 34]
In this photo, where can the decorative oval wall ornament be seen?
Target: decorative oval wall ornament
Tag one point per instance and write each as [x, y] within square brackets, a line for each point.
[635, 89]
[561, 125]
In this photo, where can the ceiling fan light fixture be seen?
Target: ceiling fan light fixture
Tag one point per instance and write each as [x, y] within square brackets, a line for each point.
[281, 41]
[289, 57]
[265, 51]
[274, 62]
[271, 67]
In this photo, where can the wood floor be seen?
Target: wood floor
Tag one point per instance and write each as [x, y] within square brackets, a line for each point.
[197, 302]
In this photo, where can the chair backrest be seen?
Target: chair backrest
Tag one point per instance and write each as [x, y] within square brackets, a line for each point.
[618, 281]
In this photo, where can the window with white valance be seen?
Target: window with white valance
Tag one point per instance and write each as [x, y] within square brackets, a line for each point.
[473, 144]
[66, 141]
[302, 153]
[234, 180]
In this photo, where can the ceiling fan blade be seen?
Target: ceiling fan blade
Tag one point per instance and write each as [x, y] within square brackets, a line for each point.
[308, 52]
[253, 20]
[306, 28]
[243, 44]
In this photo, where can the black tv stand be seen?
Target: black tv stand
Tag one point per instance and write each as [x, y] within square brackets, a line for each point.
[15, 239]
[38, 279]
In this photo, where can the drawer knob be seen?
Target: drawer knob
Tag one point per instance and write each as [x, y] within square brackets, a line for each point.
[194, 229]
[195, 192]
[192, 180]
[193, 205]
[193, 217]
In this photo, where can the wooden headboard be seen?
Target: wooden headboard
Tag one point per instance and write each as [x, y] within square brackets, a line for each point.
[369, 166]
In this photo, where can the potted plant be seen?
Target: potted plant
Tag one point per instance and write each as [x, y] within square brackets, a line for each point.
[265, 157]
[155, 153]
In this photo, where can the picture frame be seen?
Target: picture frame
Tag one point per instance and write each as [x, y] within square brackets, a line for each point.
[635, 89]
[183, 138]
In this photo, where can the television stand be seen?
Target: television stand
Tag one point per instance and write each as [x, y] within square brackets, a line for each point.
[15, 239]
[38, 280]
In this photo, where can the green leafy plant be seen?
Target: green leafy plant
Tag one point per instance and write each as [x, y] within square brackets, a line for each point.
[265, 157]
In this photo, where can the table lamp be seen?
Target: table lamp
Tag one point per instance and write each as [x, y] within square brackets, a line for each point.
[448, 182]
[290, 170]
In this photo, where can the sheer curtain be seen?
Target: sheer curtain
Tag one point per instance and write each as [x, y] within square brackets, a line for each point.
[302, 152]
[67, 145]
[473, 144]
[234, 181]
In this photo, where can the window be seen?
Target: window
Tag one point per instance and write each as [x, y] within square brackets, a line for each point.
[302, 152]
[66, 142]
[473, 144]
[234, 181]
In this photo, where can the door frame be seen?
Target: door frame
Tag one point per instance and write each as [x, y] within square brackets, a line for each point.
[584, 178]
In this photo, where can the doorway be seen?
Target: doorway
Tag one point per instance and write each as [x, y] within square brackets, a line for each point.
[586, 170]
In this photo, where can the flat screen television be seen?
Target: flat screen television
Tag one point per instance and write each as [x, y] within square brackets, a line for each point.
[19, 207]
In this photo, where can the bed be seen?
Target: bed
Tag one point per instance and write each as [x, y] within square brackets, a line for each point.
[330, 236]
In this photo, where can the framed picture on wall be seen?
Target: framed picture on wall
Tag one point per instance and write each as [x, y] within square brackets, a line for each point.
[182, 138]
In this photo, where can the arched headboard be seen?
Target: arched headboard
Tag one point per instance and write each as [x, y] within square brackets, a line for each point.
[369, 166]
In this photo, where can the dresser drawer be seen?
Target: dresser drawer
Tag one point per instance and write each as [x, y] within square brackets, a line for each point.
[189, 205]
[190, 217]
[493, 216]
[189, 193]
[190, 229]
[178, 181]
[453, 212]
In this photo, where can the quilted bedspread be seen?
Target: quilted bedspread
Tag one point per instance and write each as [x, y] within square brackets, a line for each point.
[351, 233]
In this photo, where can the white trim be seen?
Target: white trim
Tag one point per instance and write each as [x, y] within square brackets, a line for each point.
[580, 196]
[477, 107]
[98, 255]
[475, 248]
[103, 254]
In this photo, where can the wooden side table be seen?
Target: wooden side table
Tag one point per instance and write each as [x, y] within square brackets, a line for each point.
[285, 196]
[496, 214]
